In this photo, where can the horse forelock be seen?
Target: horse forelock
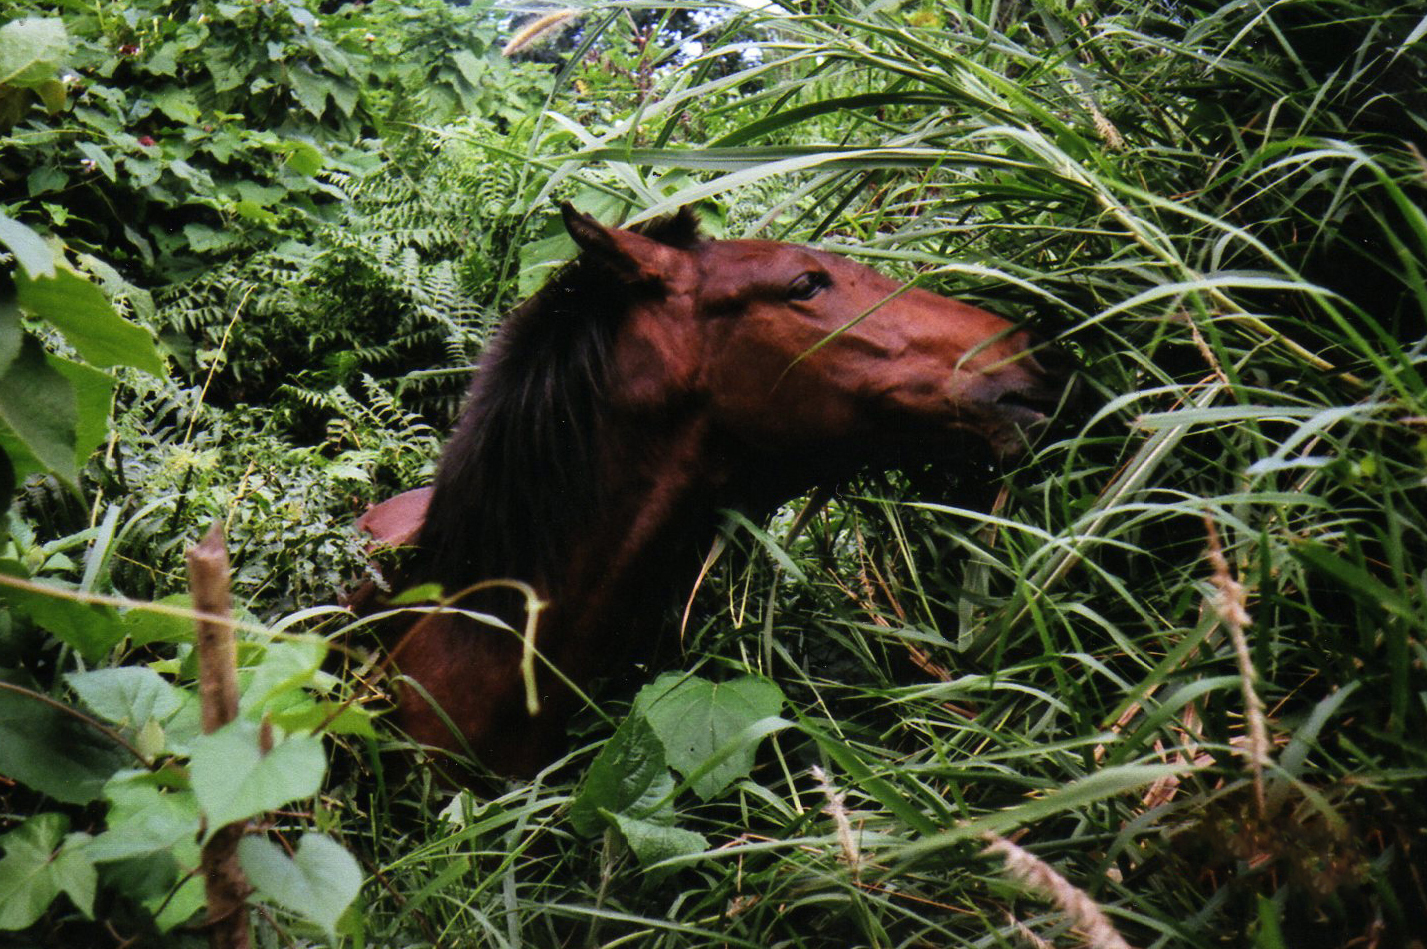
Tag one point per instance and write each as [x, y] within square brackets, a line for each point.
[522, 469]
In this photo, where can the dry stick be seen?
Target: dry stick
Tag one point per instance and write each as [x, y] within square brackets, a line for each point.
[226, 887]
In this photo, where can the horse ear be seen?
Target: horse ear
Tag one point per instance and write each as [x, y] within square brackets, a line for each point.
[635, 256]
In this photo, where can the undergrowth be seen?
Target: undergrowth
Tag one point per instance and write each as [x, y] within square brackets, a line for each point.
[1174, 652]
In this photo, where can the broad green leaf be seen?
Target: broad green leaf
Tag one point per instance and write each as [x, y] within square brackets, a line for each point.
[174, 911]
[177, 104]
[79, 310]
[53, 752]
[205, 239]
[31, 50]
[91, 629]
[285, 665]
[694, 718]
[317, 883]
[234, 780]
[333, 717]
[145, 819]
[28, 247]
[93, 402]
[471, 68]
[12, 334]
[628, 777]
[37, 867]
[310, 89]
[145, 626]
[126, 695]
[304, 158]
[38, 412]
[652, 842]
[421, 593]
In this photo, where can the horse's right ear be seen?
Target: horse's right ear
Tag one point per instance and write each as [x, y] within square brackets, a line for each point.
[634, 256]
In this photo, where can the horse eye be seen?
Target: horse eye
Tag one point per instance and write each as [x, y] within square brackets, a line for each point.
[808, 285]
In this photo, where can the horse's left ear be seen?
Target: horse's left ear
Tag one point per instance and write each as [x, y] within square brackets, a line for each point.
[634, 256]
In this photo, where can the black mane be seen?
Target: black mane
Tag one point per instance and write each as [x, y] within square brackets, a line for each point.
[521, 471]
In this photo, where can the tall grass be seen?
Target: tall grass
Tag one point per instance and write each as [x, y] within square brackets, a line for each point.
[1219, 210]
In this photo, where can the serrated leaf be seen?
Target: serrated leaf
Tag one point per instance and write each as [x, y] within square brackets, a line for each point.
[53, 752]
[126, 695]
[318, 882]
[79, 310]
[471, 68]
[31, 50]
[310, 89]
[233, 780]
[177, 104]
[28, 247]
[37, 407]
[628, 777]
[652, 842]
[695, 718]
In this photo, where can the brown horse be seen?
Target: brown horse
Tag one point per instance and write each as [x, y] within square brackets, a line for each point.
[656, 380]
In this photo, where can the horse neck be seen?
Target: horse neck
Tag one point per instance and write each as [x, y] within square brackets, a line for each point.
[653, 500]
[661, 501]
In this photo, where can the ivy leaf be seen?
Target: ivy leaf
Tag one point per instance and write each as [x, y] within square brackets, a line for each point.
[126, 695]
[79, 310]
[317, 883]
[144, 819]
[695, 718]
[33, 872]
[234, 780]
[629, 777]
[31, 50]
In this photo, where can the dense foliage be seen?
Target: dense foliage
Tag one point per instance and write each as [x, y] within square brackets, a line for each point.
[317, 215]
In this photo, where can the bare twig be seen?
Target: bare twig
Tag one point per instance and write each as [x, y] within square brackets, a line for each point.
[224, 883]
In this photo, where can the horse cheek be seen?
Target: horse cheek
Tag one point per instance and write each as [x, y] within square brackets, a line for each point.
[655, 367]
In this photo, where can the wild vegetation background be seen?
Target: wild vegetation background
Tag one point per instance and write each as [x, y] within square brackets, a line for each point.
[251, 249]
